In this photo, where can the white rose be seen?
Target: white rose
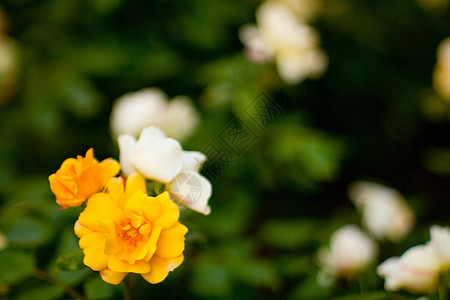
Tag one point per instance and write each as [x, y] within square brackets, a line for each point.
[154, 155]
[350, 251]
[181, 119]
[416, 270]
[150, 107]
[304, 9]
[295, 66]
[160, 158]
[441, 79]
[385, 213]
[440, 245]
[280, 28]
[443, 51]
[256, 49]
[281, 36]
[189, 187]
[136, 110]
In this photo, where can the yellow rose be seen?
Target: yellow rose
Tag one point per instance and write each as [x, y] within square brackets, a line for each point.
[123, 230]
[78, 179]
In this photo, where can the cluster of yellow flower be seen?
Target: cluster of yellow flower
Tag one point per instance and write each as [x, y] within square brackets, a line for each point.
[122, 229]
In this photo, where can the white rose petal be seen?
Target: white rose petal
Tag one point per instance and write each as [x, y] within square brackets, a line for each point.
[181, 119]
[282, 36]
[441, 78]
[154, 155]
[136, 110]
[256, 49]
[440, 244]
[126, 144]
[305, 9]
[150, 107]
[192, 190]
[385, 212]
[417, 271]
[351, 251]
[193, 160]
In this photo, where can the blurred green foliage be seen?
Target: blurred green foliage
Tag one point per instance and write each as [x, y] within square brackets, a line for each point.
[278, 201]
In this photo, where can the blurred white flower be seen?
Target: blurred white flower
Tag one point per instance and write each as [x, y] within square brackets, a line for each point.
[443, 51]
[434, 6]
[7, 55]
[293, 67]
[416, 270]
[154, 155]
[256, 49]
[304, 9]
[3, 241]
[441, 74]
[150, 107]
[281, 36]
[9, 67]
[181, 119]
[189, 187]
[440, 245]
[385, 212]
[350, 252]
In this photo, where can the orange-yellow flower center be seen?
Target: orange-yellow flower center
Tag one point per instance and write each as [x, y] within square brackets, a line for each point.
[132, 233]
[129, 234]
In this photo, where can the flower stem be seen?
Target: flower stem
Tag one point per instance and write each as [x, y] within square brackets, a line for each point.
[42, 275]
[127, 287]
[442, 291]
[361, 285]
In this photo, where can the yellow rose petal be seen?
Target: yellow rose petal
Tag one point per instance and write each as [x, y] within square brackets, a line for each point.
[112, 277]
[169, 211]
[135, 182]
[161, 268]
[81, 230]
[118, 265]
[78, 179]
[152, 242]
[120, 231]
[111, 166]
[93, 250]
[171, 242]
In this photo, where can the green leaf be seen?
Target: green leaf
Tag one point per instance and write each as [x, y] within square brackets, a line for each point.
[437, 160]
[368, 296]
[289, 234]
[42, 291]
[309, 289]
[96, 288]
[257, 273]
[15, 266]
[29, 232]
[211, 278]
[229, 219]
[303, 157]
[67, 262]
[293, 266]
[72, 261]
[106, 6]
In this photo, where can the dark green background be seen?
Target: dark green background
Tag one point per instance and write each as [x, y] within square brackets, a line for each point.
[279, 200]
